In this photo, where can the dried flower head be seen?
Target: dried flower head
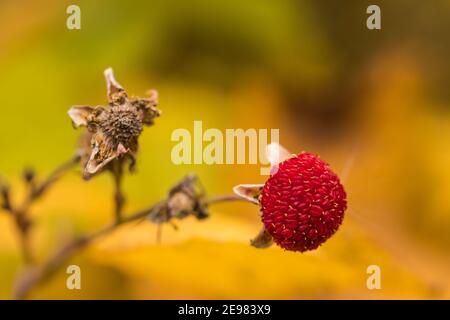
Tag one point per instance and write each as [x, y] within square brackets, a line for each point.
[113, 130]
[302, 203]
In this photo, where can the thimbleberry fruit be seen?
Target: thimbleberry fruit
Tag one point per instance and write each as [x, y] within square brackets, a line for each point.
[303, 203]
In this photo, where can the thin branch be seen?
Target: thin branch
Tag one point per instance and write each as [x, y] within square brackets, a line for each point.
[23, 224]
[119, 198]
[20, 213]
[36, 275]
[223, 198]
[37, 191]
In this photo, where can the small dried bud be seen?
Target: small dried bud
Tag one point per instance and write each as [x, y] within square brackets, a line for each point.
[5, 197]
[184, 199]
[29, 175]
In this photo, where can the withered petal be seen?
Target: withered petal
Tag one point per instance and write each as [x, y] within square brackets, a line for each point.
[94, 165]
[79, 115]
[102, 154]
[149, 114]
[154, 97]
[262, 240]
[249, 192]
[112, 86]
[276, 154]
[132, 158]
[147, 107]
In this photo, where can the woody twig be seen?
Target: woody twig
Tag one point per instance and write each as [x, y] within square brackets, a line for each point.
[20, 212]
[162, 212]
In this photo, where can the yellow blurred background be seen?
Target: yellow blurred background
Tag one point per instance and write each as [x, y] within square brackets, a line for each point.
[373, 104]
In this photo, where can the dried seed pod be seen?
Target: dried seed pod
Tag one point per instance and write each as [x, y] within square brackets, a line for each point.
[113, 129]
[184, 199]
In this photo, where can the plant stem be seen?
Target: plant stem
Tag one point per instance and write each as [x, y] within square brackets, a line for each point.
[21, 213]
[23, 225]
[38, 190]
[119, 198]
[37, 275]
[222, 198]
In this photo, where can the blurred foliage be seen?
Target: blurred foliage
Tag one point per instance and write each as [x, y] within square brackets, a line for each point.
[374, 104]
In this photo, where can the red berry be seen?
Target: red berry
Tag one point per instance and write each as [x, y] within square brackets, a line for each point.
[303, 203]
